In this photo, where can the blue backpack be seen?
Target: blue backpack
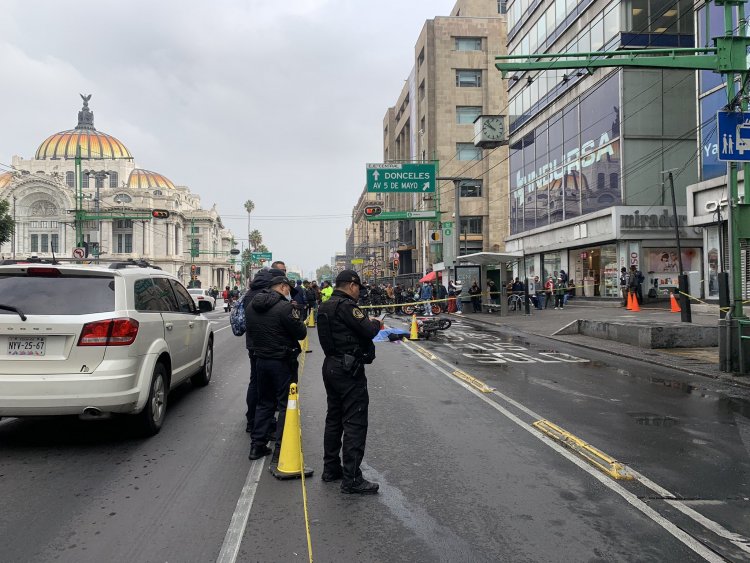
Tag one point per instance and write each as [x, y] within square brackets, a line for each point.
[237, 318]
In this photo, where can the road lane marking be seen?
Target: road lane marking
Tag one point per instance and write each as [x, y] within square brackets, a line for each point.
[629, 497]
[595, 456]
[222, 328]
[233, 539]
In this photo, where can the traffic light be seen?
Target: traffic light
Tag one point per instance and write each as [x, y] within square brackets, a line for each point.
[436, 236]
[159, 213]
[373, 210]
[193, 267]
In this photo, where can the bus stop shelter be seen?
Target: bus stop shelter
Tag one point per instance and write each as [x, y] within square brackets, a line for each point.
[484, 259]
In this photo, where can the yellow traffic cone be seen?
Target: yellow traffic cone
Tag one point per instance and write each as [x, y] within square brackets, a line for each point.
[311, 319]
[414, 333]
[290, 458]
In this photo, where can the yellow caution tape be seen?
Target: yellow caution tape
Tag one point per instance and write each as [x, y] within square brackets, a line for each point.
[594, 456]
[305, 344]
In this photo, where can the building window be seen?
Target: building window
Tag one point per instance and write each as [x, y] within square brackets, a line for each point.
[44, 245]
[70, 179]
[468, 43]
[502, 6]
[421, 91]
[124, 224]
[34, 243]
[53, 242]
[158, 192]
[468, 78]
[195, 230]
[124, 243]
[471, 225]
[113, 179]
[467, 114]
[471, 188]
[123, 198]
[195, 245]
[99, 181]
[420, 59]
[467, 151]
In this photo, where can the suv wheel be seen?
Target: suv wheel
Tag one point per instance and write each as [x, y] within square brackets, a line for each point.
[151, 418]
[202, 378]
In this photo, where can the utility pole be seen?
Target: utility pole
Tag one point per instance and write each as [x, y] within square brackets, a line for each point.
[686, 315]
[728, 56]
[14, 227]
[457, 181]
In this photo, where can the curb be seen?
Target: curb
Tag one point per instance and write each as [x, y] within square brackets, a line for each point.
[689, 370]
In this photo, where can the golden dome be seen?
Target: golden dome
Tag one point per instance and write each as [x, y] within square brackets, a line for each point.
[145, 179]
[5, 179]
[94, 144]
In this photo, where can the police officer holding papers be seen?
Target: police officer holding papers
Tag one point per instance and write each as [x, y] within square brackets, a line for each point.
[346, 334]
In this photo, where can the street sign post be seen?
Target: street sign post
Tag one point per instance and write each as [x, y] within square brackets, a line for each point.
[447, 228]
[734, 135]
[401, 177]
[258, 256]
[79, 253]
[402, 215]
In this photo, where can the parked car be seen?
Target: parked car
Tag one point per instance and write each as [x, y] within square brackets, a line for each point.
[203, 299]
[92, 340]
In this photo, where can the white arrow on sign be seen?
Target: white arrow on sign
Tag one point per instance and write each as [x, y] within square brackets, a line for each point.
[376, 175]
[426, 186]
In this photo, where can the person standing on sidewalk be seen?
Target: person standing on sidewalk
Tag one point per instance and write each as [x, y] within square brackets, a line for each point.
[624, 285]
[634, 283]
[549, 291]
[346, 334]
[476, 297]
[560, 289]
[425, 295]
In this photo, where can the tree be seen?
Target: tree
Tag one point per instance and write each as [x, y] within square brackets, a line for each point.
[7, 225]
[255, 239]
[249, 206]
[262, 248]
[324, 271]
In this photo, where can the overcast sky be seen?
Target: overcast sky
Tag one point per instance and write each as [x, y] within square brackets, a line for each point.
[278, 102]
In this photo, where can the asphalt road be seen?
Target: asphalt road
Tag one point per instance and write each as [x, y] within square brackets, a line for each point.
[464, 476]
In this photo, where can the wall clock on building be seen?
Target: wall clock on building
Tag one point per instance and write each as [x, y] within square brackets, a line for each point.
[489, 131]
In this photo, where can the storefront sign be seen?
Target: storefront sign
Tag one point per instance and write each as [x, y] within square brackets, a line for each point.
[638, 221]
[712, 206]
[589, 154]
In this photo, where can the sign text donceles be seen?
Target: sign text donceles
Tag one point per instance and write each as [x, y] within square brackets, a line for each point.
[576, 159]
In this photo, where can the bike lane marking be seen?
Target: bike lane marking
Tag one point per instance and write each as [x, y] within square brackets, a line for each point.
[629, 497]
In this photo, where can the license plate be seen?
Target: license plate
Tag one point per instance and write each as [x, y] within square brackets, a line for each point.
[26, 345]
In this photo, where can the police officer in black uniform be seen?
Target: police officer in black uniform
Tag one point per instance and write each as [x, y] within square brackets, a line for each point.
[275, 328]
[346, 334]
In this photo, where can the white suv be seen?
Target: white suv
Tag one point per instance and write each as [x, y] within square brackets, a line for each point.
[93, 340]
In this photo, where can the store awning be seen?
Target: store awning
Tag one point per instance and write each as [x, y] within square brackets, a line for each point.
[490, 258]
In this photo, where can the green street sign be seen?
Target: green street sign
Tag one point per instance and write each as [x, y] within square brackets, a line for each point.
[401, 177]
[258, 256]
[405, 215]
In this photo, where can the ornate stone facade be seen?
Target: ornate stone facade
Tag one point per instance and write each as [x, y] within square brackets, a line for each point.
[42, 196]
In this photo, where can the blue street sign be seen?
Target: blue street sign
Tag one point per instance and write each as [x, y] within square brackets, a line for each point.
[734, 135]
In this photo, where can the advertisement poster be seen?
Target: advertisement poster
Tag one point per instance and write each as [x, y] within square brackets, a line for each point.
[664, 260]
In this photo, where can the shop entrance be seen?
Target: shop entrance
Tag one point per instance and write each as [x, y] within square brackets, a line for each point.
[595, 271]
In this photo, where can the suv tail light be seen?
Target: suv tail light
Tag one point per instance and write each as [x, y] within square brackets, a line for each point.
[43, 272]
[112, 332]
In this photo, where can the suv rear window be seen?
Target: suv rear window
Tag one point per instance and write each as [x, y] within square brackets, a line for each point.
[63, 295]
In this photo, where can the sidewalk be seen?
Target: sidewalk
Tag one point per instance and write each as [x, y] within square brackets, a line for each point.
[698, 361]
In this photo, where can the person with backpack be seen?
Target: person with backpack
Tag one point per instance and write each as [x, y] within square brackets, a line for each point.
[635, 279]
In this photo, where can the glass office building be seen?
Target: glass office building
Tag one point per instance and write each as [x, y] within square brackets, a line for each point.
[588, 147]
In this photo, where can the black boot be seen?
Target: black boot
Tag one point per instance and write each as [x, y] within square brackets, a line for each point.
[360, 487]
[257, 452]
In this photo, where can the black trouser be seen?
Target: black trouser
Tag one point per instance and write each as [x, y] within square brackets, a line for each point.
[274, 378]
[252, 392]
[347, 415]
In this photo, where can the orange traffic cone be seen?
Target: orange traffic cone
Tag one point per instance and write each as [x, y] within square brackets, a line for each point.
[290, 459]
[629, 306]
[635, 307]
[414, 333]
[675, 307]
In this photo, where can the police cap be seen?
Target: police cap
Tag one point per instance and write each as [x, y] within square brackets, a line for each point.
[279, 280]
[348, 276]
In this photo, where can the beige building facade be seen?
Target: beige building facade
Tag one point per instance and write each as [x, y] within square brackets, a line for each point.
[453, 81]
